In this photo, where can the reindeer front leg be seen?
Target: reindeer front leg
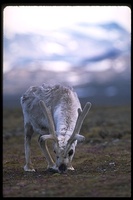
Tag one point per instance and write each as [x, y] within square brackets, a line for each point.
[28, 134]
[43, 144]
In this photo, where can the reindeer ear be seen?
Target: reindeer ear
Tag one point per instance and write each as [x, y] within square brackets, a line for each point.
[79, 138]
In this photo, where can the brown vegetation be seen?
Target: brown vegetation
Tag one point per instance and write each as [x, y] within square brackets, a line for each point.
[102, 163]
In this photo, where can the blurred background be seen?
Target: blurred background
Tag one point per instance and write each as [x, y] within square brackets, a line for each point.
[87, 47]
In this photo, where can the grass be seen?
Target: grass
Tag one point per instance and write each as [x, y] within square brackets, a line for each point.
[102, 163]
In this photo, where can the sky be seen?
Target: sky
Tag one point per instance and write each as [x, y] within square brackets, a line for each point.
[46, 20]
[39, 19]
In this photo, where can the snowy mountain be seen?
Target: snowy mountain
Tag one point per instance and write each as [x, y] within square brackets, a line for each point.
[94, 58]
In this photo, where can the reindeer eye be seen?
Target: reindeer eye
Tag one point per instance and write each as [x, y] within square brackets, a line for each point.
[54, 151]
[70, 152]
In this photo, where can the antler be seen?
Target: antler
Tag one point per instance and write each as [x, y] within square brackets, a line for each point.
[81, 117]
[51, 136]
[48, 115]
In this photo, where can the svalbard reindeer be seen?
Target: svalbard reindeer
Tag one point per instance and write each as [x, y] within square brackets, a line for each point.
[53, 111]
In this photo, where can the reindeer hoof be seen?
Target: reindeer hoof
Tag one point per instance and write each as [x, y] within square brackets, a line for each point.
[70, 168]
[29, 169]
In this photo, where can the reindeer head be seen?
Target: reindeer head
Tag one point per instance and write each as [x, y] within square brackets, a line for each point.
[64, 147]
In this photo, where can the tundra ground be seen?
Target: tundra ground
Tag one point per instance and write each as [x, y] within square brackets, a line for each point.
[102, 163]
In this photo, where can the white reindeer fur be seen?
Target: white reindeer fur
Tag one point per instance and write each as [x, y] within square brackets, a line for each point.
[63, 104]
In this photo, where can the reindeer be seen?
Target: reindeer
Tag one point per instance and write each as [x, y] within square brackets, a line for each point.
[53, 111]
